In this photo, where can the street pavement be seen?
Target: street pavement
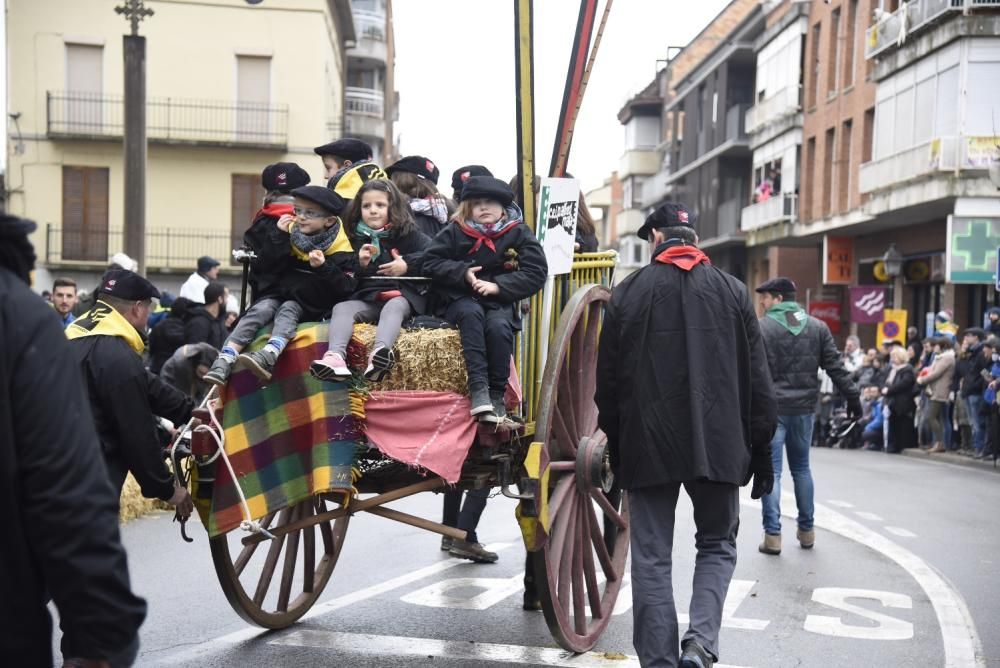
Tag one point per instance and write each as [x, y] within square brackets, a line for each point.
[903, 574]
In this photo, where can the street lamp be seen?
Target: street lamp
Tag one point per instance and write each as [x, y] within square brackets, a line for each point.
[893, 261]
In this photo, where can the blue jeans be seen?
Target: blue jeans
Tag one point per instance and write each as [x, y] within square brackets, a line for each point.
[794, 434]
[978, 420]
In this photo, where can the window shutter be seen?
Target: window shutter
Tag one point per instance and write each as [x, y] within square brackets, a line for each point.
[85, 214]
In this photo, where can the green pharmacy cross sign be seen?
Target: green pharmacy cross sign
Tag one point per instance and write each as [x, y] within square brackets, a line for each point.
[971, 254]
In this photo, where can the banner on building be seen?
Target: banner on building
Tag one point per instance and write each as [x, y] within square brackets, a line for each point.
[867, 304]
[558, 200]
[892, 327]
[970, 255]
[828, 312]
[838, 260]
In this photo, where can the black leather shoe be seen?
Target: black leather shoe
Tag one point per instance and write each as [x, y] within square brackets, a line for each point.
[695, 656]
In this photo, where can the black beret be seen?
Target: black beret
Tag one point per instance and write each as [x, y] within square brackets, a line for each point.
[125, 284]
[347, 148]
[670, 214]
[780, 284]
[322, 197]
[978, 332]
[416, 164]
[206, 264]
[283, 177]
[12, 226]
[463, 174]
[487, 187]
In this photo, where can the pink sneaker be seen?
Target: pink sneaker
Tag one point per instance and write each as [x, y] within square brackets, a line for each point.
[332, 367]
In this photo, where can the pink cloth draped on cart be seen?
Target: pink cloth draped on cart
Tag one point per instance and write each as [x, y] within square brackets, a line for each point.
[432, 430]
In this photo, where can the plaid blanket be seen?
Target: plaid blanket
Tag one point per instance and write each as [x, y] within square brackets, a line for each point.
[287, 441]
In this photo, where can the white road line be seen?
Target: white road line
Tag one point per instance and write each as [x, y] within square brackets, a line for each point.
[901, 532]
[192, 654]
[962, 647]
[425, 648]
[840, 504]
[872, 517]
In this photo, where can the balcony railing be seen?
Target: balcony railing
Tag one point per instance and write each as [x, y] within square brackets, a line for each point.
[370, 29]
[366, 101]
[165, 249]
[169, 120]
[944, 154]
[776, 209]
[893, 29]
[786, 102]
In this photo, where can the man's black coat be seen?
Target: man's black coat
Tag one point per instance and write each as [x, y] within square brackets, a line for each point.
[683, 387]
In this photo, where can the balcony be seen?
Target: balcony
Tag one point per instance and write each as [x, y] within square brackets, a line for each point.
[165, 249]
[893, 29]
[941, 155]
[169, 120]
[371, 44]
[364, 112]
[735, 122]
[629, 221]
[780, 208]
[781, 105]
[655, 189]
[640, 161]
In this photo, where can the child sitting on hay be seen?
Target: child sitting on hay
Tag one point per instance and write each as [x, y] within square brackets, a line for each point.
[314, 275]
[483, 264]
[389, 244]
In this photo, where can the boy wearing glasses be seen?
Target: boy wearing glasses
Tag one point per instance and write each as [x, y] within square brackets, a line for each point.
[307, 271]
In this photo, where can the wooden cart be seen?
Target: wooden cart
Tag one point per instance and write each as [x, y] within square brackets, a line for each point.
[575, 524]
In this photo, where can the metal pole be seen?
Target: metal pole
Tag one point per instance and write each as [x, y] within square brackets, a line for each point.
[135, 149]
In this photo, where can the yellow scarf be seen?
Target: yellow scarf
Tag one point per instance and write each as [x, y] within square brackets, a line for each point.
[341, 244]
[102, 320]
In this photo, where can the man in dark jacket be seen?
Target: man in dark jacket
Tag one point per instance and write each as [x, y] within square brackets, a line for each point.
[973, 384]
[61, 529]
[167, 335]
[207, 324]
[798, 345]
[124, 396]
[685, 398]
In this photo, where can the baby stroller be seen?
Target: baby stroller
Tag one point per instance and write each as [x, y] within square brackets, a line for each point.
[841, 432]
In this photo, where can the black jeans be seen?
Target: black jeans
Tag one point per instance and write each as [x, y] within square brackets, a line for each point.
[487, 340]
[468, 517]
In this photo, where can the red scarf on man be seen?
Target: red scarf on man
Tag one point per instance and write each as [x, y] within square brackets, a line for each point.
[683, 257]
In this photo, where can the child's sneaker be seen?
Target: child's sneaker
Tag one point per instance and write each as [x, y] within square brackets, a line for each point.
[379, 364]
[499, 410]
[482, 407]
[260, 362]
[218, 373]
[332, 367]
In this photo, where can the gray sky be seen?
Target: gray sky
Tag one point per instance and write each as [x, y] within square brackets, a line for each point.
[455, 77]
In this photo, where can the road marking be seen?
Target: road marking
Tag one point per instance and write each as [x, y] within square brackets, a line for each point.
[215, 645]
[840, 504]
[886, 627]
[962, 646]
[872, 517]
[492, 591]
[901, 532]
[424, 648]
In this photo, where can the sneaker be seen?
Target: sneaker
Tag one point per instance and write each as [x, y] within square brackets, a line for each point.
[806, 538]
[694, 655]
[771, 544]
[473, 551]
[446, 543]
[332, 367]
[218, 373]
[260, 362]
[499, 410]
[379, 364]
[481, 403]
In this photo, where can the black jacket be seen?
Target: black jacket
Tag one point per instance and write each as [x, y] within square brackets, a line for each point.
[411, 247]
[517, 265]
[61, 528]
[972, 372]
[683, 389]
[428, 224]
[168, 334]
[272, 248]
[203, 327]
[902, 391]
[317, 290]
[124, 397]
[794, 361]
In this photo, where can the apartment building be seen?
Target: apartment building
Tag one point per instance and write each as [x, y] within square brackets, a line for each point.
[230, 88]
[370, 101]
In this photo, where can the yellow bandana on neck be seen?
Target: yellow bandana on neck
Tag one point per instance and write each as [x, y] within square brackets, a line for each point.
[102, 320]
[341, 244]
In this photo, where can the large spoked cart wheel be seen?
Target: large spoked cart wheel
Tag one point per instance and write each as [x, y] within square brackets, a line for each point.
[579, 567]
[273, 583]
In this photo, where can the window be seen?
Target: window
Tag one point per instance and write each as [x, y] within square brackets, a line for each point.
[867, 138]
[923, 112]
[946, 117]
[247, 195]
[833, 64]
[903, 121]
[809, 180]
[253, 95]
[982, 111]
[829, 162]
[883, 128]
[84, 87]
[813, 67]
[850, 42]
[85, 213]
[844, 171]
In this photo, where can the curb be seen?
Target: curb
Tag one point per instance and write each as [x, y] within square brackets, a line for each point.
[952, 458]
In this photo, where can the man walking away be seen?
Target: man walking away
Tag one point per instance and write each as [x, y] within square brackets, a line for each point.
[797, 346]
[685, 398]
[194, 286]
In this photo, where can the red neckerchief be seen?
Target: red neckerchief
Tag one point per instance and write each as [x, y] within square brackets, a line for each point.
[482, 239]
[275, 210]
[683, 257]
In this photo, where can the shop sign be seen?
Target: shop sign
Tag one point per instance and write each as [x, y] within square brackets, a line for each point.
[838, 260]
[867, 304]
[969, 256]
[828, 312]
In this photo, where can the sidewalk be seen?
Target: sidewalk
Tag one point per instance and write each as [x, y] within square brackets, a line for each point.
[953, 458]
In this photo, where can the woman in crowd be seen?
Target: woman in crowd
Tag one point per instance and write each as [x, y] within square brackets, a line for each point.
[937, 379]
[899, 392]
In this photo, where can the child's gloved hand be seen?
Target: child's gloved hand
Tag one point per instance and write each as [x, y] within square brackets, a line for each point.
[316, 259]
[285, 222]
[365, 254]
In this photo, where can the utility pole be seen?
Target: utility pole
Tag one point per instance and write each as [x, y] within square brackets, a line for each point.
[135, 132]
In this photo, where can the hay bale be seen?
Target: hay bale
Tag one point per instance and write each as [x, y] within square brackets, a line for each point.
[134, 505]
[426, 359]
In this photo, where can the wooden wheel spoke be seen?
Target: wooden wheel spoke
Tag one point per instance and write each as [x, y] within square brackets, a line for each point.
[247, 552]
[308, 554]
[325, 532]
[565, 434]
[564, 576]
[597, 540]
[589, 571]
[560, 529]
[561, 492]
[579, 605]
[608, 509]
[291, 554]
[273, 551]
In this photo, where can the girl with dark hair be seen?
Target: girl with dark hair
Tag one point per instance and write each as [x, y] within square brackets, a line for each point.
[416, 177]
[388, 244]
